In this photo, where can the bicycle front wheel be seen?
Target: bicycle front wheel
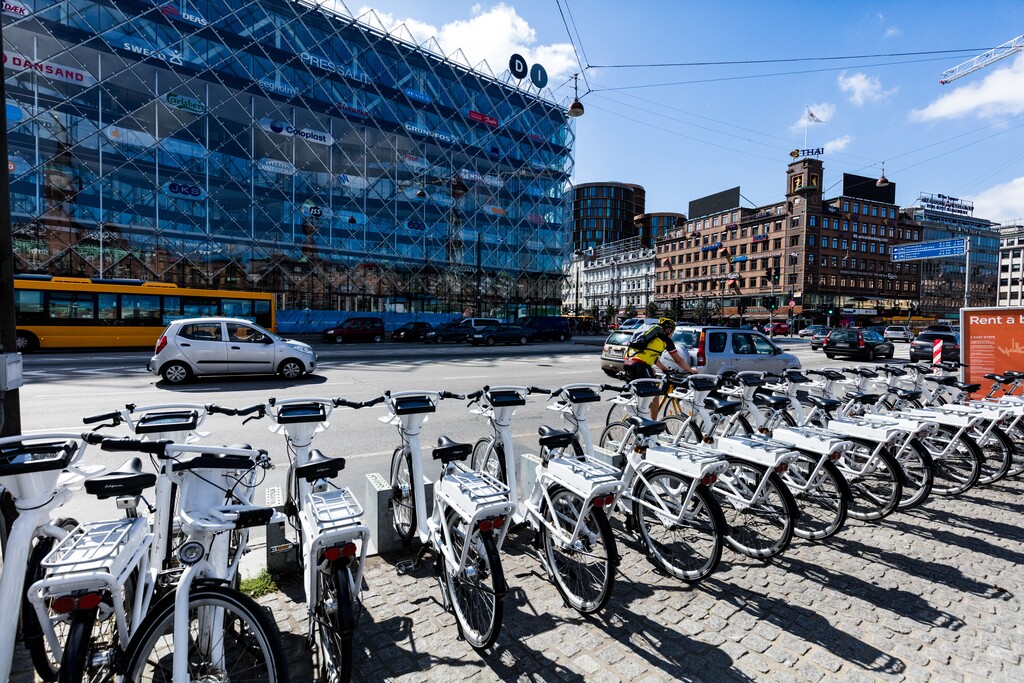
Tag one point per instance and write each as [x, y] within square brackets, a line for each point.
[489, 457]
[477, 592]
[584, 570]
[335, 622]
[917, 466]
[822, 497]
[996, 453]
[957, 461]
[682, 430]
[875, 480]
[616, 438]
[685, 541]
[245, 646]
[760, 526]
[403, 499]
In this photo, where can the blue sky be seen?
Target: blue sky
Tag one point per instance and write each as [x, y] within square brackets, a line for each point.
[687, 131]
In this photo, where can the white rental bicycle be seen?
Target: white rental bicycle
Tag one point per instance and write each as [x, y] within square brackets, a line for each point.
[37, 471]
[469, 507]
[563, 503]
[328, 519]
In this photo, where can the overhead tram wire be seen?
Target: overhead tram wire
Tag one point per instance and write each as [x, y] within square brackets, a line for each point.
[655, 65]
[568, 31]
[768, 75]
[575, 30]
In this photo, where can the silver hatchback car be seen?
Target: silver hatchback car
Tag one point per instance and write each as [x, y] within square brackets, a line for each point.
[222, 346]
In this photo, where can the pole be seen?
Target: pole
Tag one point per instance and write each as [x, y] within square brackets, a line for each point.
[967, 274]
[771, 310]
[10, 402]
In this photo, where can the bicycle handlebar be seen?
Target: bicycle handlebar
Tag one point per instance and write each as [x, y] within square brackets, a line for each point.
[114, 415]
[448, 394]
[219, 410]
[133, 445]
[373, 402]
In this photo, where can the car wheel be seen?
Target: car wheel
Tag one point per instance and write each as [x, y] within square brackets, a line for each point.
[892, 352]
[561, 337]
[291, 369]
[378, 338]
[338, 339]
[830, 356]
[522, 341]
[176, 373]
[490, 341]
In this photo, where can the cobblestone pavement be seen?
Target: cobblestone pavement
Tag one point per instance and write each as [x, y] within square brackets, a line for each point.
[932, 594]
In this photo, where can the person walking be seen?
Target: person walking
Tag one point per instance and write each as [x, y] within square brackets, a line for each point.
[644, 353]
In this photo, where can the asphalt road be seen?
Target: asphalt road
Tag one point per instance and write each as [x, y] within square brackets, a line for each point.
[62, 388]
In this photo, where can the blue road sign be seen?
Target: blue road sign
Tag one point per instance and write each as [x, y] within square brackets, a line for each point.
[925, 250]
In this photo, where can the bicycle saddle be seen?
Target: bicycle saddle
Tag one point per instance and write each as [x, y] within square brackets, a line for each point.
[763, 398]
[863, 397]
[1002, 379]
[750, 379]
[828, 404]
[448, 450]
[127, 480]
[943, 380]
[554, 438]
[895, 372]
[905, 394]
[722, 406]
[319, 466]
[969, 388]
[645, 427]
[797, 377]
[862, 372]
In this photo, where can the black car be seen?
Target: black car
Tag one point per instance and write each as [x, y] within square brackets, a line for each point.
[445, 333]
[548, 327]
[861, 343]
[818, 337]
[922, 347]
[501, 334]
[411, 332]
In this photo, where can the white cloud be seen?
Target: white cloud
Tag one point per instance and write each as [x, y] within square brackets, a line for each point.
[999, 93]
[823, 111]
[494, 35]
[838, 145]
[893, 32]
[1001, 203]
[863, 88]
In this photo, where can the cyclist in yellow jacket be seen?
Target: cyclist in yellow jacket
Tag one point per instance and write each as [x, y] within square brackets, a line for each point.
[644, 353]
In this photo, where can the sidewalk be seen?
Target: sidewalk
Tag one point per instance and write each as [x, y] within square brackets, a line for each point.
[932, 594]
[927, 595]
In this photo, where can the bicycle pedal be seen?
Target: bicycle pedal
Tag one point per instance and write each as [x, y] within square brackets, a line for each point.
[406, 567]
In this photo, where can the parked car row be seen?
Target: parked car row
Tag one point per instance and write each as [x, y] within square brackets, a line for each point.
[371, 329]
[712, 350]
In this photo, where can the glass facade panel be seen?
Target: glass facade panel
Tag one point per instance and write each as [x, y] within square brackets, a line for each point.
[266, 145]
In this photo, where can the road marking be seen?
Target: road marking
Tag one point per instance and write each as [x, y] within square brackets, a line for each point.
[468, 377]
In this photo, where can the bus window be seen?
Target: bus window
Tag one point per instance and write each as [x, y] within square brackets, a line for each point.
[236, 308]
[172, 308]
[195, 308]
[262, 310]
[107, 308]
[140, 309]
[72, 306]
[28, 306]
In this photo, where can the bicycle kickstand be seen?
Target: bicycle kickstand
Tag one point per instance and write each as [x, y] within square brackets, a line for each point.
[408, 566]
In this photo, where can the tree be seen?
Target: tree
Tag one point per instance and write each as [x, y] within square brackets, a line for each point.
[610, 312]
[631, 311]
[651, 310]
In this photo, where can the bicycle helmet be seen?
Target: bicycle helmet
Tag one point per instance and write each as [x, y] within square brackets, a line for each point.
[666, 322]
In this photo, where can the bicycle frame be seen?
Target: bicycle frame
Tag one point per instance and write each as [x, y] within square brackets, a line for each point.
[328, 515]
[587, 479]
[473, 496]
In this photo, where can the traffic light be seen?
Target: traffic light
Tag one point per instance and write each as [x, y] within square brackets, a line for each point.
[742, 308]
[830, 311]
[775, 274]
[769, 273]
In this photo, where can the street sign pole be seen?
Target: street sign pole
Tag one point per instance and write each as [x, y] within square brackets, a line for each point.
[967, 274]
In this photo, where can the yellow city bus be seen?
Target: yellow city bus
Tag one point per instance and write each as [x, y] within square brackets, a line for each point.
[67, 312]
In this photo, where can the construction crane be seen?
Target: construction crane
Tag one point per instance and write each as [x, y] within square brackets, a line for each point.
[971, 65]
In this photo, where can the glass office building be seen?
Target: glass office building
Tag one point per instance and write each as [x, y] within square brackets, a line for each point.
[270, 145]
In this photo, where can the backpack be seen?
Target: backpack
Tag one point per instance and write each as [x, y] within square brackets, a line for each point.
[640, 340]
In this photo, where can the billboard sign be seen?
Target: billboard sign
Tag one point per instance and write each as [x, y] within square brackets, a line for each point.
[926, 250]
[991, 341]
